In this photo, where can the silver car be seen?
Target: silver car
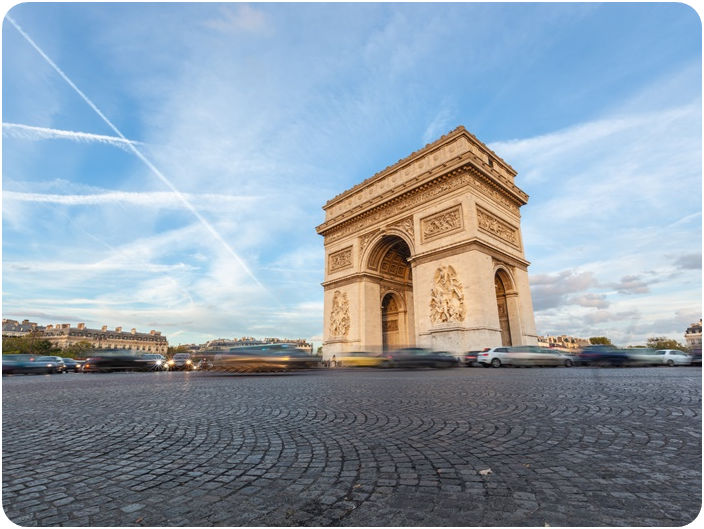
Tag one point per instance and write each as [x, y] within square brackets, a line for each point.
[532, 355]
[673, 357]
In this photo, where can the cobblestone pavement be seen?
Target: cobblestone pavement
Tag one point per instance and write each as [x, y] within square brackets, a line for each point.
[454, 447]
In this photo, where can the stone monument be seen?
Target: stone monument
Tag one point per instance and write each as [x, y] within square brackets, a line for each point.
[428, 253]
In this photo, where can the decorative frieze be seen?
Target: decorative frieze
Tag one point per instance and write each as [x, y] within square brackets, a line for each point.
[416, 198]
[340, 260]
[340, 315]
[443, 223]
[497, 227]
[446, 297]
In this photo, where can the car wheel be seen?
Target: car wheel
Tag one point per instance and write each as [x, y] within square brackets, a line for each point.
[671, 363]
[568, 363]
[496, 362]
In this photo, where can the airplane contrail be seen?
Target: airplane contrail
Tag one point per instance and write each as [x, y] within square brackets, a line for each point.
[15, 130]
[135, 151]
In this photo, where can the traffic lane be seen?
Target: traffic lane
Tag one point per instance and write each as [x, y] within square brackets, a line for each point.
[355, 447]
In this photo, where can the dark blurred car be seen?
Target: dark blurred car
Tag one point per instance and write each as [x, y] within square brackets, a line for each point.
[420, 357]
[154, 362]
[22, 364]
[72, 365]
[470, 358]
[182, 362]
[265, 358]
[603, 355]
[104, 364]
[57, 361]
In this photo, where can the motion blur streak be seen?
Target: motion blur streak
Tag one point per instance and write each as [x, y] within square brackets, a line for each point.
[133, 149]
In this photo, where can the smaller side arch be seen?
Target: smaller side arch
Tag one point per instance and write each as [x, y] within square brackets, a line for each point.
[508, 306]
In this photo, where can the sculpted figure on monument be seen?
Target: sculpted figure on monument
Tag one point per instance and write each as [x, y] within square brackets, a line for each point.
[340, 315]
[446, 298]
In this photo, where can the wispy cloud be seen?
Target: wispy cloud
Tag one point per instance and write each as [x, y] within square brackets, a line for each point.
[148, 163]
[156, 199]
[26, 132]
[242, 18]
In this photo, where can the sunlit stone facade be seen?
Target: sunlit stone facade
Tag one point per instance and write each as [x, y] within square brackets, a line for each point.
[63, 335]
[428, 253]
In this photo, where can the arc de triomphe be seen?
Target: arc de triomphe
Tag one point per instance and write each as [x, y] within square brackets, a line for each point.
[428, 253]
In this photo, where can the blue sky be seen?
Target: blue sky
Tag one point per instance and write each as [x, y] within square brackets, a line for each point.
[164, 166]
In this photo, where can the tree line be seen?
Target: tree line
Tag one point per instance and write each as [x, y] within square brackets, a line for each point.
[33, 345]
[657, 342]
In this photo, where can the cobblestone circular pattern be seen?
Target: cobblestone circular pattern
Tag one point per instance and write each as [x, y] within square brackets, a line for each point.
[457, 447]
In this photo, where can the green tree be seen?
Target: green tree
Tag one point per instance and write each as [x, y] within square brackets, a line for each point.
[81, 349]
[660, 342]
[28, 344]
[172, 350]
[600, 340]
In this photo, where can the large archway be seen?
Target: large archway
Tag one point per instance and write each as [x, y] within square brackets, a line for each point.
[389, 263]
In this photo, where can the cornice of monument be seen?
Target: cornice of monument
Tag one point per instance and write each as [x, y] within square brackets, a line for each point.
[473, 244]
[452, 153]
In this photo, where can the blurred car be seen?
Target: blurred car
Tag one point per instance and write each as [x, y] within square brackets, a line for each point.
[603, 355]
[361, 359]
[265, 358]
[72, 365]
[533, 355]
[673, 357]
[641, 356]
[154, 362]
[493, 357]
[58, 363]
[182, 362]
[470, 358]
[107, 363]
[23, 364]
[420, 357]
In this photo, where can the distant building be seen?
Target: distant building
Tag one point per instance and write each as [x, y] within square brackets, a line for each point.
[63, 336]
[693, 336]
[224, 344]
[562, 342]
[13, 328]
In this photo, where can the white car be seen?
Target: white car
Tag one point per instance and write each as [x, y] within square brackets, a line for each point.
[673, 357]
[494, 357]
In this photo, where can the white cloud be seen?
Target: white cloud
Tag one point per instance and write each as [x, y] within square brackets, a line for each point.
[152, 200]
[244, 18]
[25, 132]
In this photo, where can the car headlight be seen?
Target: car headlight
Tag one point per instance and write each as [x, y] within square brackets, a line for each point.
[188, 361]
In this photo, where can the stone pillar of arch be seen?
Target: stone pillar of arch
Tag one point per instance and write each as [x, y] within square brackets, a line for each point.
[433, 231]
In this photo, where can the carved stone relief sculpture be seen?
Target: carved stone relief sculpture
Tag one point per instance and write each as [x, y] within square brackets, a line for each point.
[497, 228]
[442, 223]
[446, 297]
[341, 259]
[340, 315]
